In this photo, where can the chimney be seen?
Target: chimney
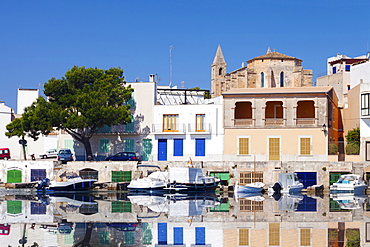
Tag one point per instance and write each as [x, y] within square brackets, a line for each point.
[151, 78]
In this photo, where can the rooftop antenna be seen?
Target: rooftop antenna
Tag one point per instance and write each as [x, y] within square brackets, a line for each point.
[171, 48]
[182, 84]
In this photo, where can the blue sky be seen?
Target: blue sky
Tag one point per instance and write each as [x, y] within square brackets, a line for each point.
[43, 39]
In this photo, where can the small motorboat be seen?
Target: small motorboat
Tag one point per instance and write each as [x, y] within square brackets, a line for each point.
[175, 180]
[69, 183]
[156, 181]
[249, 188]
[349, 183]
[288, 183]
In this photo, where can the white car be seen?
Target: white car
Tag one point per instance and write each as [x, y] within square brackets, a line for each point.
[51, 153]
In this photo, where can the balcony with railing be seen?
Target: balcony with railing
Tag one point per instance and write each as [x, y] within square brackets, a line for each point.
[244, 122]
[118, 129]
[199, 129]
[306, 121]
[271, 122]
[174, 129]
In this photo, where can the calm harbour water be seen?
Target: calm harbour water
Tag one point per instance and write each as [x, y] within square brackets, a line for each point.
[120, 219]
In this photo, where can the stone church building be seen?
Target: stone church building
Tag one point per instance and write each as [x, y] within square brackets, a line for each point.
[272, 70]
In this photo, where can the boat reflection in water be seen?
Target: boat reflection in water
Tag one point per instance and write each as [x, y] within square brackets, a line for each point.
[175, 204]
[349, 201]
[204, 219]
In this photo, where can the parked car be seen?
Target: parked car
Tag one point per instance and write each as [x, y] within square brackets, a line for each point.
[4, 153]
[126, 227]
[51, 153]
[124, 156]
[65, 227]
[4, 229]
[65, 155]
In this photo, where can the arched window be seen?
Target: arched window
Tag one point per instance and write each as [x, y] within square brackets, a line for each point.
[220, 71]
[262, 79]
[282, 79]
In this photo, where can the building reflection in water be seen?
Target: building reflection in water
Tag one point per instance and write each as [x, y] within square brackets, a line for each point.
[119, 219]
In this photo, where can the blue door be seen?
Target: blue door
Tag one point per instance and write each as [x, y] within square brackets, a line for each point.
[308, 204]
[200, 235]
[200, 147]
[178, 236]
[162, 233]
[38, 174]
[162, 149]
[178, 147]
[307, 178]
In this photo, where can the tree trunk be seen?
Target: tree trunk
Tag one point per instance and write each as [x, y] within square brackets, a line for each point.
[89, 155]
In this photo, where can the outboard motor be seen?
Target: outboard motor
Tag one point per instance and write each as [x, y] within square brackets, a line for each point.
[43, 184]
[277, 187]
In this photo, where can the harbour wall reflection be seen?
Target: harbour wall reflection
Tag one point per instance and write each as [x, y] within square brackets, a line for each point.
[120, 219]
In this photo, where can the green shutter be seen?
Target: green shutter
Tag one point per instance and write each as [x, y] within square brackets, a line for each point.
[104, 238]
[104, 146]
[147, 149]
[147, 234]
[222, 207]
[130, 127]
[127, 207]
[129, 145]
[127, 176]
[14, 176]
[14, 207]
[106, 129]
[129, 238]
[117, 176]
[121, 207]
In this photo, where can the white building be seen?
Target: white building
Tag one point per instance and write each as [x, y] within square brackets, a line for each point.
[184, 131]
[25, 98]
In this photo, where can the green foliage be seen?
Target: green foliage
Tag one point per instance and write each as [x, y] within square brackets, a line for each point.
[333, 149]
[332, 234]
[81, 103]
[353, 238]
[353, 135]
[352, 149]
[207, 95]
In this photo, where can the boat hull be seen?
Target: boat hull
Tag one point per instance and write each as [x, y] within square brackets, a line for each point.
[72, 186]
[360, 189]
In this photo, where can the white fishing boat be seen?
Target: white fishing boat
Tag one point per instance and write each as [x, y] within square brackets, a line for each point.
[249, 188]
[287, 183]
[351, 183]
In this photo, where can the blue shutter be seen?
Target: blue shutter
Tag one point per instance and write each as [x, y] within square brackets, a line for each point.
[38, 208]
[334, 70]
[200, 235]
[178, 147]
[162, 233]
[162, 149]
[38, 174]
[200, 147]
[178, 236]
